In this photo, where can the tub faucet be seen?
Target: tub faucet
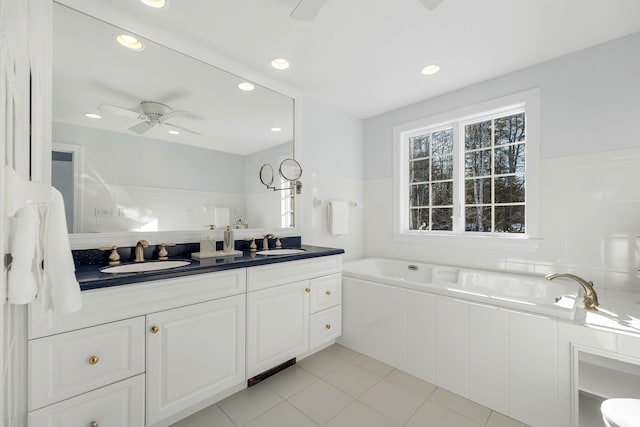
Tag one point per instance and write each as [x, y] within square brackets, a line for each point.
[590, 296]
[139, 252]
[265, 241]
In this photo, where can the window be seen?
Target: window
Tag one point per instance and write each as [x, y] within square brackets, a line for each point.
[470, 172]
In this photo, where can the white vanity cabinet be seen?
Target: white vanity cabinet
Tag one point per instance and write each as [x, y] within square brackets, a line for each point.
[292, 308]
[90, 368]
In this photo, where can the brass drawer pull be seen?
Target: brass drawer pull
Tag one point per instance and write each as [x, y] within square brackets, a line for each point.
[155, 329]
[328, 292]
[307, 290]
[93, 360]
[93, 424]
[328, 326]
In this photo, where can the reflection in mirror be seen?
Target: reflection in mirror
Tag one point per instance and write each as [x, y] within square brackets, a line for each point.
[153, 140]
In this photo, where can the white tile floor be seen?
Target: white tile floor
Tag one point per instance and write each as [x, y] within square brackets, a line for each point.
[338, 387]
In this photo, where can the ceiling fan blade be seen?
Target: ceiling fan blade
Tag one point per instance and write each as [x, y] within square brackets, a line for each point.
[142, 127]
[108, 108]
[307, 10]
[181, 128]
[431, 4]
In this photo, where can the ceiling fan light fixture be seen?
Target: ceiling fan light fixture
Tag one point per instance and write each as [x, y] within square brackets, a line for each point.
[246, 86]
[93, 115]
[280, 64]
[156, 4]
[129, 42]
[430, 69]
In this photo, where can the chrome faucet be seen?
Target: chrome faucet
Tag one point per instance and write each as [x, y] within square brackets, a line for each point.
[139, 252]
[265, 241]
[590, 296]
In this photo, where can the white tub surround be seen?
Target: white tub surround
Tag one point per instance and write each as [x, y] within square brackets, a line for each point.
[498, 339]
[525, 293]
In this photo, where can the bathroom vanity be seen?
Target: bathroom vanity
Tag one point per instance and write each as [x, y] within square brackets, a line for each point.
[177, 345]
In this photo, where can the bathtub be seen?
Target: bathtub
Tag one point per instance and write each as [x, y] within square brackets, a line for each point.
[519, 292]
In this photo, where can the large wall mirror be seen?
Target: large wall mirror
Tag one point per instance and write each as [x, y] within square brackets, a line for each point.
[178, 144]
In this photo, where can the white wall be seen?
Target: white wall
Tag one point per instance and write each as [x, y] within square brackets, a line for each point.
[590, 150]
[330, 151]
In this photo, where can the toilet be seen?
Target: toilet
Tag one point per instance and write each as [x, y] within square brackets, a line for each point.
[621, 412]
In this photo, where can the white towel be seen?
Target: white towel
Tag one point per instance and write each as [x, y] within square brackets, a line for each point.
[42, 261]
[338, 217]
[24, 274]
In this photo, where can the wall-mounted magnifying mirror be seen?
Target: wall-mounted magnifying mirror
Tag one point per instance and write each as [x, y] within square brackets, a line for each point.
[266, 175]
[290, 172]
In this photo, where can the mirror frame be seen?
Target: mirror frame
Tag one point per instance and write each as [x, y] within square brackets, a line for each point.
[40, 35]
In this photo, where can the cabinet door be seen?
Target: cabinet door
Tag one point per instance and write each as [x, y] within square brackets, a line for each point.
[193, 353]
[277, 325]
[452, 345]
[532, 369]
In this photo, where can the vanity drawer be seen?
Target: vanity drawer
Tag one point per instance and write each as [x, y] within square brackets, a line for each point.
[325, 326]
[120, 404]
[267, 276]
[325, 292]
[65, 365]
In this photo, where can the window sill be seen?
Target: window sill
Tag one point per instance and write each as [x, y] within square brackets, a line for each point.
[484, 241]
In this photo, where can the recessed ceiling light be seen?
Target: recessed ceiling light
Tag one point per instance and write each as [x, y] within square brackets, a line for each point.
[93, 115]
[276, 129]
[280, 64]
[246, 86]
[173, 132]
[156, 4]
[430, 69]
[129, 42]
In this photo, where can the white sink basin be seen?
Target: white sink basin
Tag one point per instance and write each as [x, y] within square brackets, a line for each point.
[145, 266]
[281, 252]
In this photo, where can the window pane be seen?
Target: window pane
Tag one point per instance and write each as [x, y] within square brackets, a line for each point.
[442, 219]
[477, 135]
[419, 170]
[510, 129]
[442, 142]
[418, 217]
[419, 195]
[478, 219]
[509, 189]
[509, 159]
[442, 193]
[442, 168]
[510, 219]
[477, 163]
[477, 191]
[419, 146]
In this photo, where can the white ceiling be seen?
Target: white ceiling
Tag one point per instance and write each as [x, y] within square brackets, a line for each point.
[364, 56]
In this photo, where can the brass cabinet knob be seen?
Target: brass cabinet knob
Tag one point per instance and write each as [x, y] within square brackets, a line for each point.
[155, 329]
[93, 424]
[328, 326]
[308, 290]
[328, 292]
[93, 360]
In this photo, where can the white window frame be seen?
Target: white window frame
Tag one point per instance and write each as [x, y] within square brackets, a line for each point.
[530, 102]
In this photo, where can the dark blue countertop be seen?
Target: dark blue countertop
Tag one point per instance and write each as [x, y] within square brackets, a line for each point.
[90, 277]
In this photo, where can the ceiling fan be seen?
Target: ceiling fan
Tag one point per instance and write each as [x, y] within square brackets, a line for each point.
[151, 113]
[307, 10]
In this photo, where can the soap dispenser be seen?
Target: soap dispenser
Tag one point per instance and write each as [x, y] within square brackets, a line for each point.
[228, 243]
